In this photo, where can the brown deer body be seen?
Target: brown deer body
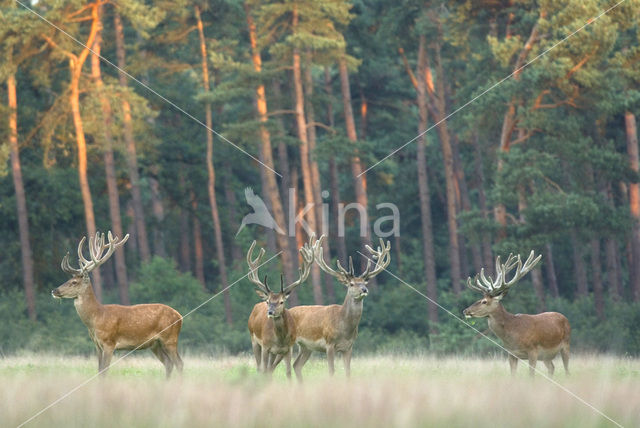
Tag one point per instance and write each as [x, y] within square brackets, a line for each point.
[333, 329]
[271, 326]
[113, 327]
[532, 337]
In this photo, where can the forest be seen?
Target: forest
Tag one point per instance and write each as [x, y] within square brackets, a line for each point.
[483, 127]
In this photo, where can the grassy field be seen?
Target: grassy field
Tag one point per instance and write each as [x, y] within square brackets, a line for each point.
[384, 391]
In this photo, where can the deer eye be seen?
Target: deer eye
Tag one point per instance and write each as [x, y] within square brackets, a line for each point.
[484, 302]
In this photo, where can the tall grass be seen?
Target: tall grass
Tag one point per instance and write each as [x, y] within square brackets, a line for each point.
[384, 391]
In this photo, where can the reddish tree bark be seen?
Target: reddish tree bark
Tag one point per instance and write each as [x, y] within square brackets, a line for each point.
[21, 200]
[211, 185]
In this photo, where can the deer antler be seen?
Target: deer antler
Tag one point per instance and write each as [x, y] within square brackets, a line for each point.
[382, 256]
[501, 285]
[96, 248]
[342, 274]
[307, 252]
[254, 264]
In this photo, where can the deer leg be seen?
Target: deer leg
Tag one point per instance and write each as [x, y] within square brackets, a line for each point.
[276, 361]
[257, 353]
[533, 359]
[565, 358]
[100, 357]
[301, 360]
[171, 351]
[265, 361]
[331, 353]
[164, 357]
[513, 363]
[346, 358]
[107, 353]
[550, 366]
[287, 363]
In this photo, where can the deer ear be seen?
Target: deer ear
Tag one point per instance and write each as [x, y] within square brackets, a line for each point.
[262, 294]
[287, 294]
[499, 296]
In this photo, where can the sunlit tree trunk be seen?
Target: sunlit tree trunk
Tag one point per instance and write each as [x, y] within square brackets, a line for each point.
[438, 110]
[334, 183]
[215, 216]
[109, 164]
[315, 171]
[75, 66]
[357, 173]
[305, 164]
[21, 200]
[132, 157]
[283, 240]
[428, 251]
[634, 201]
[509, 123]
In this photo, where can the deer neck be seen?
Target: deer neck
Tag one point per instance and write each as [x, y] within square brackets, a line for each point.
[352, 311]
[281, 324]
[87, 306]
[499, 320]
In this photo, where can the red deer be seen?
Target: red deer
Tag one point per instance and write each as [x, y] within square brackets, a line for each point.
[272, 328]
[334, 328]
[533, 337]
[112, 327]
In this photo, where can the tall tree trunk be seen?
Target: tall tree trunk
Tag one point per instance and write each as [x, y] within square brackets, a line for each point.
[75, 65]
[158, 212]
[305, 164]
[232, 210]
[428, 251]
[21, 200]
[465, 205]
[579, 268]
[109, 165]
[287, 182]
[334, 182]
[611, 254]
[439, 112]
[550, 270]
[536, 274]
[487, 254]
[596, 274]
[198, 252]
[321, 222]
[509, 121]
[359, 179]
[211, 185]
[271, 184]
[634, 201]
[132, 158]
[185, 249]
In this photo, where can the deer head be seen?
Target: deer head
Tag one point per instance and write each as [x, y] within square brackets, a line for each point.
[276, 300]
[356, 284]
[80, 276]
[494, 291]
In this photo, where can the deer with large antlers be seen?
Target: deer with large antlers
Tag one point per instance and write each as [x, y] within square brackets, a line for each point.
[531, 337]
[333, 329]
[112, 327]
[272, 328]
